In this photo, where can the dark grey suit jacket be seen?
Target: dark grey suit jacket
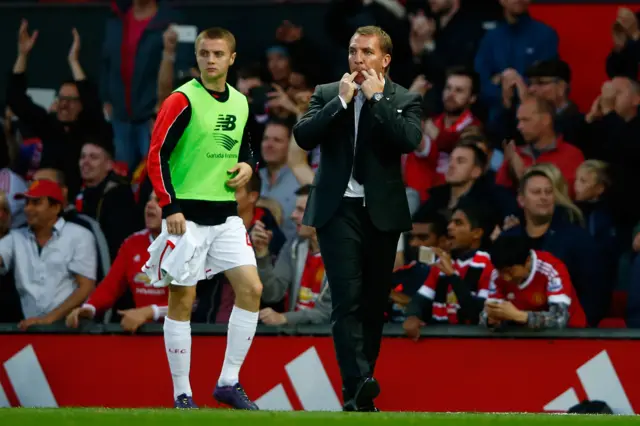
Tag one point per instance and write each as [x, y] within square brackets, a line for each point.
[386, 130]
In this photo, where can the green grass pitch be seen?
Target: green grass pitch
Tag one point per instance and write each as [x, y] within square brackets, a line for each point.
[168, 417]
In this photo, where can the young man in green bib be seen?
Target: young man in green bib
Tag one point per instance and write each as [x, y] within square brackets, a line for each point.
[200, 153]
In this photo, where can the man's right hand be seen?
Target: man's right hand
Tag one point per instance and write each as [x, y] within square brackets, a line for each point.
[26, 41]
[260, 238]
[73, 318]
[412, 326]
[176, 224]
[347, 86]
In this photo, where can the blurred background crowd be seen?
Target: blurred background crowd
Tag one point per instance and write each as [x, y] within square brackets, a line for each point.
[505, 150]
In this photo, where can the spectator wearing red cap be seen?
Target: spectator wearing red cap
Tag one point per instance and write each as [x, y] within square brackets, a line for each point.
[53, 261]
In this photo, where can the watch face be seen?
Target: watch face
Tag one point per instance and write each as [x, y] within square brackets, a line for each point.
[377, 96]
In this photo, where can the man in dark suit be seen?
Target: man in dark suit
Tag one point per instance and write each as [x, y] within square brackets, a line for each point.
[363, 124]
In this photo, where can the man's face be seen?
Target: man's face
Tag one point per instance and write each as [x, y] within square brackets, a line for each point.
[244, 85]
[365, 54]
[461, 167]
[69, 105]
[279, 66]
[440, 7]
[40, 212]
[530, 122]
[586, 185]
[275, 144]
[515, 7]
[214, 58]
[457, 95]
[626, 98]
[460, 232]
[515, 274]
[422, 235]
[548, 88]
[94, 163]
[246, 199]
[153, 214]
[303, 231]
[538, 199]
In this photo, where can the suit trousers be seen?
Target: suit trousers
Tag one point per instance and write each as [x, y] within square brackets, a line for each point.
[358, 260]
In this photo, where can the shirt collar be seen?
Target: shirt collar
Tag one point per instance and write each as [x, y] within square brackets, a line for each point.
[534, 266]
[57, 227]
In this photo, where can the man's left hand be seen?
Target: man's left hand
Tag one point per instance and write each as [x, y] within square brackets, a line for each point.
[244, 174]
[29, 322]
[271, 317]
[132, 319]
[373, 83]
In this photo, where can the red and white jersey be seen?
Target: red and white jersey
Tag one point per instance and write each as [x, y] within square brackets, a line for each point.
[548, 283]
[126, 272]
[311, 282]
[426, 167]
[475, 269]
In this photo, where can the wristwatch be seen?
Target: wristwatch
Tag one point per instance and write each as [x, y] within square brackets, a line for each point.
[376, 97]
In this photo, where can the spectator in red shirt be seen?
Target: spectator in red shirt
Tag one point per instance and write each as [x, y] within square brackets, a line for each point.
[126, 271]
[535, 123]
[426, 166]
[531, 288]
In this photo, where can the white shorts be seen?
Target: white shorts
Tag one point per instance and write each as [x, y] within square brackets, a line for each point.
[207, 251]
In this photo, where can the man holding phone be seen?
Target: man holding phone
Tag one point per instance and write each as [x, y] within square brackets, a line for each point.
[458, 283]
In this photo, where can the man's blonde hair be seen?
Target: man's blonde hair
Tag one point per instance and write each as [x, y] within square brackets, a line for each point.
[600, 169]
[386, 45]
[217, 33]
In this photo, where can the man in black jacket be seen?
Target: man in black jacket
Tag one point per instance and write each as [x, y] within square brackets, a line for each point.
[78, 111]
[358, 204]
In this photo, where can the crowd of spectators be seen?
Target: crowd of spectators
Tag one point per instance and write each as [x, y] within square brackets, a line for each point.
[511, 183]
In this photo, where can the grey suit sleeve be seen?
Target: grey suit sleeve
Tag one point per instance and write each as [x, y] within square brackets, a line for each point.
[310, 130]
[277, 278]
[401, 125]
[320, 314]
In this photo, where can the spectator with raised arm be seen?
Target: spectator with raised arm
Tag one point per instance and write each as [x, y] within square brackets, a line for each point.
[78, 112]
[126, 272]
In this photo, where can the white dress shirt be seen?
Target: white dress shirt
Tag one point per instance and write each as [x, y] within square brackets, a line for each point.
[354, 189]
